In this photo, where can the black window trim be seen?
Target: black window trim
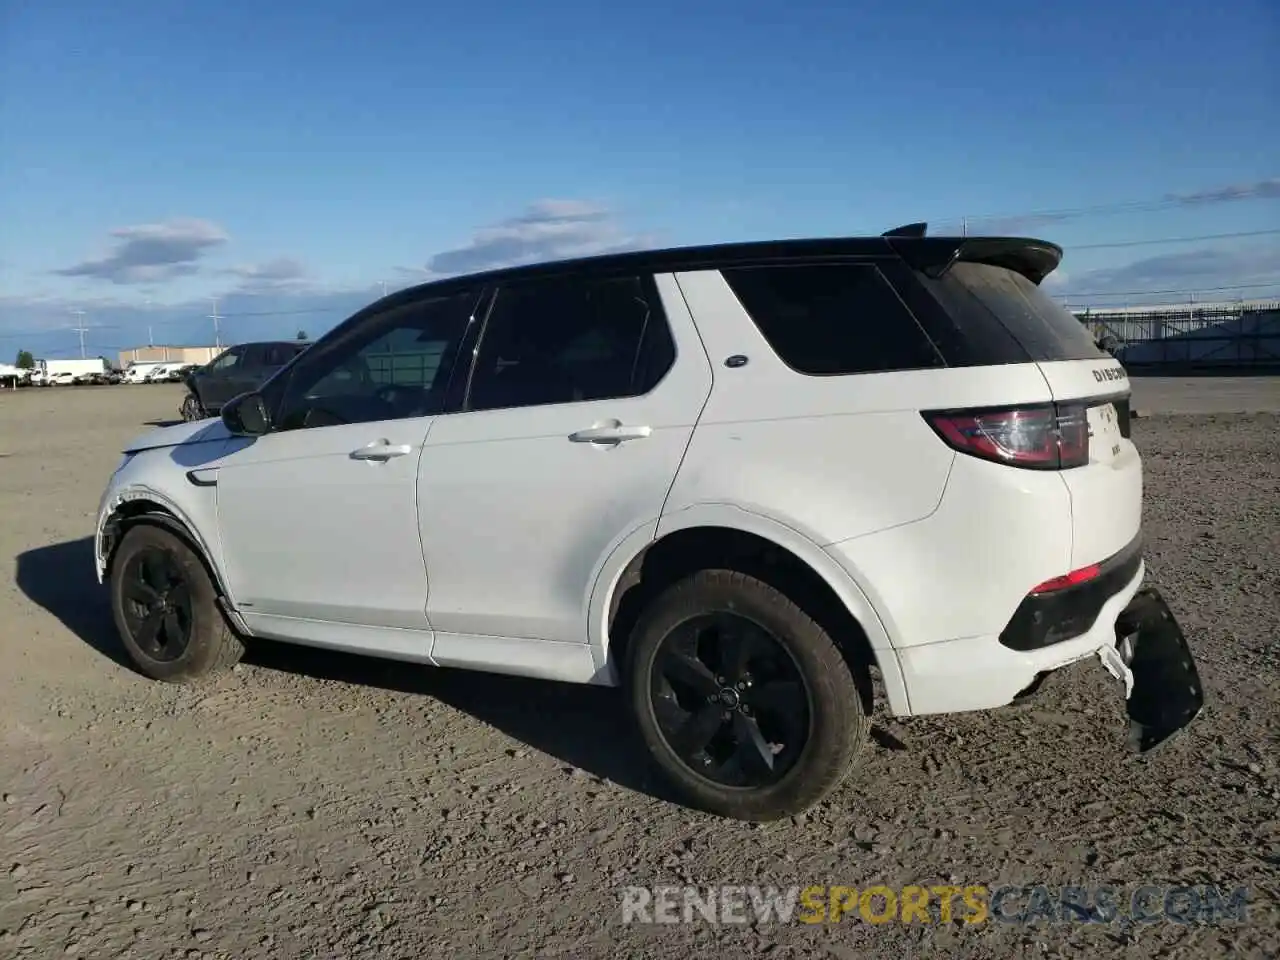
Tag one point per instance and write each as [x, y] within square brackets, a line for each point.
[885, 267]
[283, 377]
[649, 283]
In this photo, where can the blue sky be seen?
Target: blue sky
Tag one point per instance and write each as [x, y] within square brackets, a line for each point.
[291, 158]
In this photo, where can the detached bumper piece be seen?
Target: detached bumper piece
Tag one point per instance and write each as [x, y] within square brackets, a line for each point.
[1167, 694]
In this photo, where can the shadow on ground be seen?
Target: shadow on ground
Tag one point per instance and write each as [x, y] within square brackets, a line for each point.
[60, 579]
[161, 423]
[585, 727]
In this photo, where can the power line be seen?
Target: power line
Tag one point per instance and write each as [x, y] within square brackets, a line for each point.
[1186, 291]
[1071, 213]
[306, 311]
[1159, 240]
[44, 333]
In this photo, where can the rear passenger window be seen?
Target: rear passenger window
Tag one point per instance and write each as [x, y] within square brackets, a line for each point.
[571, 341]
[255, 356]
[830, 319]
[278, 354]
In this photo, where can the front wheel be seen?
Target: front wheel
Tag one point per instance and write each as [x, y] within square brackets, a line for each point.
[741, 698]
[166, 608]
[192, 409]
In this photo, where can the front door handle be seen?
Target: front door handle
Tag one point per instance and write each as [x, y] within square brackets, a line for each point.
[380, 450]
[610, 433]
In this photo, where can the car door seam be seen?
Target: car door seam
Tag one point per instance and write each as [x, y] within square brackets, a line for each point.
[675, 474]
[417, 519]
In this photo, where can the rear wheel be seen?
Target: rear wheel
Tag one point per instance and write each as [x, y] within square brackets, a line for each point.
[166, 608]
[742, 699]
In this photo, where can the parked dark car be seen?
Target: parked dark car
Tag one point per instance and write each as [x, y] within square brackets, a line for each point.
[181, 373]
[237, 370]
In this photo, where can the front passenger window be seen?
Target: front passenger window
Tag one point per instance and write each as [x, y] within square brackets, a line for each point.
[392, 365]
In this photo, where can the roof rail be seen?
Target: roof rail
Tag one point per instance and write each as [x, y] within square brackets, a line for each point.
[907, 230]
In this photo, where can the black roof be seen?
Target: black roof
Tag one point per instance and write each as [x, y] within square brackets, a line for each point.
[1033, 258]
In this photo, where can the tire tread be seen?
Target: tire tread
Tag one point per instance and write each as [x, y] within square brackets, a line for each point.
[832, 683]
[214, 647]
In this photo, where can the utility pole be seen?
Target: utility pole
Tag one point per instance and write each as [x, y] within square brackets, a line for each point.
[151, 340]
[217, 333]
[80, 328]
[384, 288]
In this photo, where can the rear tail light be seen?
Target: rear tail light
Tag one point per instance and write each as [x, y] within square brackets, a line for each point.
[1042, 437]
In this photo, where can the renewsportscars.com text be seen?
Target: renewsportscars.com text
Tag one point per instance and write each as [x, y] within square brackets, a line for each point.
[971, 904]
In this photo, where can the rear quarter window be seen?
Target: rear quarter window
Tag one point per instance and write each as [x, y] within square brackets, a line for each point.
[973, 294]
[832, 319]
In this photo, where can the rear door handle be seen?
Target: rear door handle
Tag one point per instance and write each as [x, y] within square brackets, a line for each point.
[610, 433]
[380, 450]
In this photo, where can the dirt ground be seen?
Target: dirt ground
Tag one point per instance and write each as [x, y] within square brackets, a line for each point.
[1181, 395]
[318, 805]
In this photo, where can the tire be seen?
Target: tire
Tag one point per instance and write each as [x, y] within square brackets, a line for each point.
[192, 638]
[191, 409]
[833, 717]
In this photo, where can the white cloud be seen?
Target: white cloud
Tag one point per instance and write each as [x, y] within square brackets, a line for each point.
[1254, 271]
[152, 252]
[279, 273]
[548, 230]
[1268, 189]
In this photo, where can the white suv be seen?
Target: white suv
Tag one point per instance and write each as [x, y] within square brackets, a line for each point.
[741, 482]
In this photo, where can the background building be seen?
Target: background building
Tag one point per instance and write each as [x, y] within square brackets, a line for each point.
[169, 354]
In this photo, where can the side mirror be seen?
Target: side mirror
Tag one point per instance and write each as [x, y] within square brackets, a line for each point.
[246, 415]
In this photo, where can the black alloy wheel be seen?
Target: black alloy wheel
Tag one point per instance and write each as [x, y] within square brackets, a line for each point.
[167, 608]
[730, 701]
[744, 702]
[157, 605]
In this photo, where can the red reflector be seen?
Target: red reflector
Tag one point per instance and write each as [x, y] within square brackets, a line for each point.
[1083, 575]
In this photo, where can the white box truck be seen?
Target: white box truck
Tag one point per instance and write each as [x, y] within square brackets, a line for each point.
[138, 370]
[50, 373]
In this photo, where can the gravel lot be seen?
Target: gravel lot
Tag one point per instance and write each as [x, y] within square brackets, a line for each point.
[316, 805]
[1207, 394]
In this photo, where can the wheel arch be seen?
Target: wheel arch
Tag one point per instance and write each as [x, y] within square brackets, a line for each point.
[151, 508]
[729, 537]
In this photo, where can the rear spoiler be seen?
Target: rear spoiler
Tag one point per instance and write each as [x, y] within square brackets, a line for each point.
[934, 256]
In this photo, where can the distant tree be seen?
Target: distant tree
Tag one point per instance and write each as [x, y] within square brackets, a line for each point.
[302, 334]
[26, 360]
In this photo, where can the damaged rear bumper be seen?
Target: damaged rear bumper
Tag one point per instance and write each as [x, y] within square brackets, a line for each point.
[1151, 655]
